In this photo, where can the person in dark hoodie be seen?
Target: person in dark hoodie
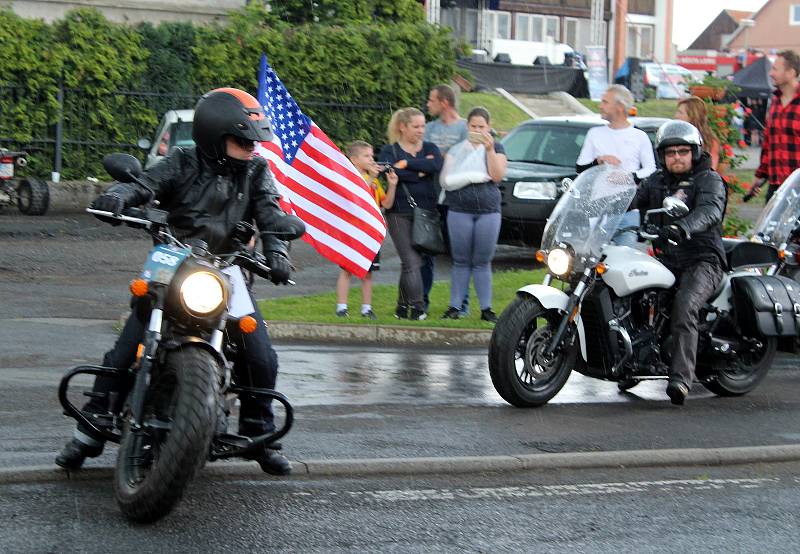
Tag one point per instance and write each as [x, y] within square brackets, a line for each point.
[206, 190]
[690, 245]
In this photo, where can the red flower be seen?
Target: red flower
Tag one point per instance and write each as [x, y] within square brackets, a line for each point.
[728, 150]
[742, 144]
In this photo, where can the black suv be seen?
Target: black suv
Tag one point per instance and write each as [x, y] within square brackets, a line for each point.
[541, 153]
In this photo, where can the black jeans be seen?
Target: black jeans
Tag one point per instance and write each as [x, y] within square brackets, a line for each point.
[696, 284]
[256, 365]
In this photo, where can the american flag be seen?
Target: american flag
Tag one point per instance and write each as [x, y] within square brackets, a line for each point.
[318, 183]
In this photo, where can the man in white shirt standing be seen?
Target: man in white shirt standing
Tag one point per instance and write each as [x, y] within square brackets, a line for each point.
[618, 143]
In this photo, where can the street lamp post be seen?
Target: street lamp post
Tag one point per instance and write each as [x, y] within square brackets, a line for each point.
[746, 23]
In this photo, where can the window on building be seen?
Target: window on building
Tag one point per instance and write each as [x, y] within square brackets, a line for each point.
[571, 32]
[536, 27]
[498, 24]
[794, 14]
[450, 18]
[640, 41]
[470, 30]
[578, 33]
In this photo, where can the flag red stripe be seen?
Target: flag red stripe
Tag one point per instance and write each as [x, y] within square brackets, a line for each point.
[341, 188]
[333, 232]
[324, 203]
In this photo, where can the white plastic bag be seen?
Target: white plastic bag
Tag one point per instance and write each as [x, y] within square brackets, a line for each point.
[464, 165]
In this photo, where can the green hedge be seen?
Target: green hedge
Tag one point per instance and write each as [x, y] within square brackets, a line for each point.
[376, 54]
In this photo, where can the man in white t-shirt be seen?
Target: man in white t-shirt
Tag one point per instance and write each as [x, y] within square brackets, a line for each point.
[618, 143]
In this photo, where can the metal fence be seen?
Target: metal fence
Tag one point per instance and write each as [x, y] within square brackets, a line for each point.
[67, 133]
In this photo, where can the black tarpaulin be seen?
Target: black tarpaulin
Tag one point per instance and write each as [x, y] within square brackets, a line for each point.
[753, 80]
[531, 79]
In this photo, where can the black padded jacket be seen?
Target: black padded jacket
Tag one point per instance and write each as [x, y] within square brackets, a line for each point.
[206, 205]
[705, 194]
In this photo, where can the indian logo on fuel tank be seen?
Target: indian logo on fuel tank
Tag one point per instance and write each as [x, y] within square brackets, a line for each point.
[637, 273]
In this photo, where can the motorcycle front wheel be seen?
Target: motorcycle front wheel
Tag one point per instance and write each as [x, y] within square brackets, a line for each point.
[157, 462]
[520, 372]
[742, 374]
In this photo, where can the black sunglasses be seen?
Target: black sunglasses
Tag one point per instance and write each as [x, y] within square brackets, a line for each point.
[243, 142]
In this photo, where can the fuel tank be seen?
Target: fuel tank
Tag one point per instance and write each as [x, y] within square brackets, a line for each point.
[630, 270]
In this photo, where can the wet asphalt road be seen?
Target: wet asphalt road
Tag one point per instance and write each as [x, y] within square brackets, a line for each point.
[739, 509]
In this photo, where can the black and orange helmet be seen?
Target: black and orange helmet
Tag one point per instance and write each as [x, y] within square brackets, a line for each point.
[227, 111]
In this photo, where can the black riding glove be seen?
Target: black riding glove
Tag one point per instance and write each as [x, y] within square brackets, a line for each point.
[671, 234]
[281, 268]
[108, 202]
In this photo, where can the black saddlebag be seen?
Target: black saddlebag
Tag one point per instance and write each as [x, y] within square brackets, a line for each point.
[767, 305]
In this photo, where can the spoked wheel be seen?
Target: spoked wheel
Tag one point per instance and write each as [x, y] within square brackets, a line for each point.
[742, 374]
[156, 462]
[521, 373]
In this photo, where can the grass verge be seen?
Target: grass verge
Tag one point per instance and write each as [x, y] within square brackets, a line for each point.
[505, 115]
[650, 108]
[321, 308]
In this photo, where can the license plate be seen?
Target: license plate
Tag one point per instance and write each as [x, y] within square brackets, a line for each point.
[162, 263]
[6, 171]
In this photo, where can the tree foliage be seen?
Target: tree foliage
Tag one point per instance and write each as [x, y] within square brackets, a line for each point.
[378, 55]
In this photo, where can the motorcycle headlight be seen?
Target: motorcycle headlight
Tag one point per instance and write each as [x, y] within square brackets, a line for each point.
[202, 293]
[559, 261]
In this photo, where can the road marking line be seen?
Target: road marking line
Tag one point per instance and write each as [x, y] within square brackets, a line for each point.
[532, 491]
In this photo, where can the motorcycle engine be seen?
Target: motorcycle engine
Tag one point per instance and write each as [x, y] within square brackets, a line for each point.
[642, 317]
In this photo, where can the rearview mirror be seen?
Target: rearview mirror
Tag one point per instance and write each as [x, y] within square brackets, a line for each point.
[122, 167]
[144, 144]
[675, 207]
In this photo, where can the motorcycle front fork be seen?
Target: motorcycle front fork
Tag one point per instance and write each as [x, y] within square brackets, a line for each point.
[572, 309]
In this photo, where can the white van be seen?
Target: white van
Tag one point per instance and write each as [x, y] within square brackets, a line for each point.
[174, 130]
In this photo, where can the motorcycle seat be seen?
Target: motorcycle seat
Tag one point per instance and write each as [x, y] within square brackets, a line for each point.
[741, 253]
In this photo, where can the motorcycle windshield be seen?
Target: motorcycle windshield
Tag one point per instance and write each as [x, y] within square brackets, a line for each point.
[780, 215]
[588, 214]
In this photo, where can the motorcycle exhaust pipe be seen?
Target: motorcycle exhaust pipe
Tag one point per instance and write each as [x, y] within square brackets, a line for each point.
[21, 162]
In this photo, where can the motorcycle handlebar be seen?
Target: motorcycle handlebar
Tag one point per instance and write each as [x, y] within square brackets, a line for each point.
[120, 217]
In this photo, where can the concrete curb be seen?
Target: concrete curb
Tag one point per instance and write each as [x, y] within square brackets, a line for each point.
[73, 196]
[450, 465]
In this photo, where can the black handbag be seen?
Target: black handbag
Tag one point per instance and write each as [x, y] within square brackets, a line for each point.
[426, 229]
[767, 305]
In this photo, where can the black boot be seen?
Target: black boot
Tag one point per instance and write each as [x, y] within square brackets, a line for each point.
[75, 452]
[271, 461]
[677, 392]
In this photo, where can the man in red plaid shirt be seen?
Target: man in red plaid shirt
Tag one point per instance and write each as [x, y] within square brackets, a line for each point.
[780, 149]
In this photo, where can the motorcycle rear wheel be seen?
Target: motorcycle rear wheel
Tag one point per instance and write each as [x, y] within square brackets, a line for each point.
[155, 465]
[743, 374]
[518, 373]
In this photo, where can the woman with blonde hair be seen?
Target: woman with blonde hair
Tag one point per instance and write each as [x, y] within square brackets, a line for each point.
[416, 163]
[693, 110]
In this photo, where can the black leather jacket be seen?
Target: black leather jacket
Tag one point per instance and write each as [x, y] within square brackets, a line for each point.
[706, 196]
[206, 205]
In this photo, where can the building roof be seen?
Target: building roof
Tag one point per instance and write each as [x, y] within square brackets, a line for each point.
[726, 23]
[738, 15]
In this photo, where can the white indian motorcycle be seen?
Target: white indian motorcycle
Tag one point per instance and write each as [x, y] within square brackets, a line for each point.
[610, 318]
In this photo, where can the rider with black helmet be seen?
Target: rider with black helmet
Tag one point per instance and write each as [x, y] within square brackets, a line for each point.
[691, 245]
[206, 190]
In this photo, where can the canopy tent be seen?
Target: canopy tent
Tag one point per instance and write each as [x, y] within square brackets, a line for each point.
[753, 80]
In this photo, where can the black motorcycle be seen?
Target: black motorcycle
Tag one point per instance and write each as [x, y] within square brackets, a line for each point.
[172, 414]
